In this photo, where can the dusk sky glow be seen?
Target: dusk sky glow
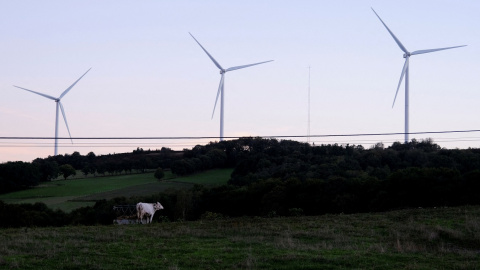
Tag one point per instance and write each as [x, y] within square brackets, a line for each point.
[149, 78]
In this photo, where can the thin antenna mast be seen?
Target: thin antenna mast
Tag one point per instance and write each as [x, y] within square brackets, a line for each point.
[308, 129]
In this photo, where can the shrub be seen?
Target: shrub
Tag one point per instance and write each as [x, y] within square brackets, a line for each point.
[159, 174]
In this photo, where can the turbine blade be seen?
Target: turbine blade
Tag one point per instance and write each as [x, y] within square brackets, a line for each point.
[211, 57]
[65, 118]
[220, 87]
[391, 33]
[239, 67]
[43, 95]
[405, 66]
[434, 50]
[68, 89]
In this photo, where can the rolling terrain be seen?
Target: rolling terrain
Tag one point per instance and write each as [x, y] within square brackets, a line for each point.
[68, 195]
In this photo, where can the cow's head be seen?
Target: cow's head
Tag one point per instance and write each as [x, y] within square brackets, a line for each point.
[157, 206]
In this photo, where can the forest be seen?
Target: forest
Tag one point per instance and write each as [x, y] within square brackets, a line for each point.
[271, 178]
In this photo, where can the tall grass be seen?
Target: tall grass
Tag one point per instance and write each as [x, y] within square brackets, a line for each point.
[446, 238]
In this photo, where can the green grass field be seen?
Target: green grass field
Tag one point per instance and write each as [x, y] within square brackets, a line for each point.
[446, 238]
[71, 194]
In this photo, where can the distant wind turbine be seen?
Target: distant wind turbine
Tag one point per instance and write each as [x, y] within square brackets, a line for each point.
[308, 120]
[59, 104]
[405, 72]
[222, 82]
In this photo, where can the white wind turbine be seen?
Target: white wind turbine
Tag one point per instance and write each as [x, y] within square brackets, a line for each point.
[59, 104]
[407, 55]
[222, 82]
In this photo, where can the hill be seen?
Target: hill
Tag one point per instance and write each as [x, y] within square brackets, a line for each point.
[67, 195]
[442, 238]
[277, 178]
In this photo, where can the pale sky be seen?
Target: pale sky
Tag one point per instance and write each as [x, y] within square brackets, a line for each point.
[149, 78]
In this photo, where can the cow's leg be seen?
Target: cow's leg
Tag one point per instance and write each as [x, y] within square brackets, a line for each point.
[146, 218]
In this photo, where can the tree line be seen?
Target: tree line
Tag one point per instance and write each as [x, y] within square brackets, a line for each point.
[281, 177]
[18, 175]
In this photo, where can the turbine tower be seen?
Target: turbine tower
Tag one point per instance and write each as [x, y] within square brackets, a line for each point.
[405, 72]
[222, 82]
[59, 104]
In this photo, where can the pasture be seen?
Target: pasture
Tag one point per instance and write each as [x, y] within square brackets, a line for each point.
[68, 195]
[446, 238]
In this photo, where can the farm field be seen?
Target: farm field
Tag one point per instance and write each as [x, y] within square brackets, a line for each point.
[68, 195]
[446, 238]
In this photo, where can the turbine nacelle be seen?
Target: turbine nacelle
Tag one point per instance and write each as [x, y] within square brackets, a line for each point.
[405, 71]
[220, 91]
[59, 107]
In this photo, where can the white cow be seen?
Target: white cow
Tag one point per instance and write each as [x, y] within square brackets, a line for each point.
[148, 210]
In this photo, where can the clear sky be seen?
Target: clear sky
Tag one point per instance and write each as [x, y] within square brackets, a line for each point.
[150, 79]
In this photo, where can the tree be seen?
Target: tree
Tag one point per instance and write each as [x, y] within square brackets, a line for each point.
[100, 168]
[159, 174]
[75, 159]
[67, 170]
[88, 168]
[183, 167]
[48, 169]
[91, 156]
[217, 157]
[18, 175]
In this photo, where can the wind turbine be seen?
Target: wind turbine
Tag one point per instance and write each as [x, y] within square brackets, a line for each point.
[405, 72]
[59, 104]
[222, 82]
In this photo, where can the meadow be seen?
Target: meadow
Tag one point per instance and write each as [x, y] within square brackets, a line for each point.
[71, 194]
[433, 238]
[442, 238]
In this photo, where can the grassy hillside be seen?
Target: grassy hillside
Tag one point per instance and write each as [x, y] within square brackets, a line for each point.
[447, 238]
[71, 194]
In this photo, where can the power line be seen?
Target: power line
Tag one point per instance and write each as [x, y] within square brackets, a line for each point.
[185, 142]
[238, 137]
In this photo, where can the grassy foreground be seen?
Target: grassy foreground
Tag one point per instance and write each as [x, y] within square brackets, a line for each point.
[447, 238]
[67, 195]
